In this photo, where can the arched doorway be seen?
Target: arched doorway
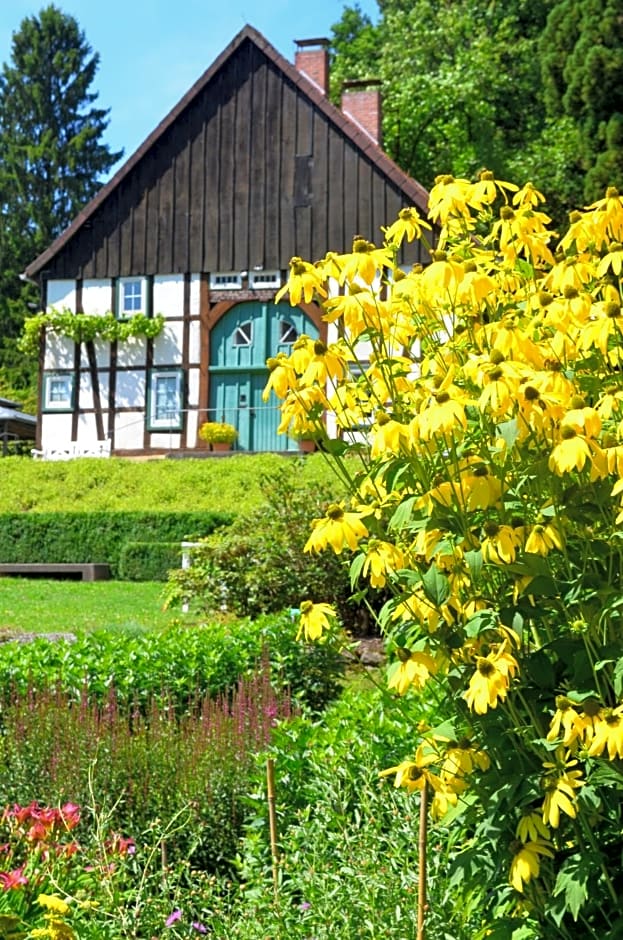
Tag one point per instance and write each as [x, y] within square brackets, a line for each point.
[240, 343]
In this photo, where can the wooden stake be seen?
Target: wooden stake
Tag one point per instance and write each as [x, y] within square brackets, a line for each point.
[421, 908]
[272, 820]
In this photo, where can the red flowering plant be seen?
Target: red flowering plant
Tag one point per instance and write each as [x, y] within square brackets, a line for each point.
[41, 859]
[477, 404]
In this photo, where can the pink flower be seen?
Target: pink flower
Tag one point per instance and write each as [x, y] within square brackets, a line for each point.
[172, 918]
[13, 879]
[199, 927]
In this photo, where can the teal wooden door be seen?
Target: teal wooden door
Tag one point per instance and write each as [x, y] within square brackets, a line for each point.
[240, 344]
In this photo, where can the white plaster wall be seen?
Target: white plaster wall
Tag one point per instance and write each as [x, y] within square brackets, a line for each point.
[55, 430]
[59, 352]
[62, 295]
[168, 345]
[194, 342]
[195, 284]
[130, 389]
[169, 295]
[86, 390]
[169, 441]
[191, 428]
[193, 388]
[129, 428]
[87, 429]
[132, 352]
[102, 355]
[96, 295]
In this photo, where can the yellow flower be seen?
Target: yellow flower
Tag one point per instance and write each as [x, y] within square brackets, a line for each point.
[53, 903]
[560, 783]
[460, 760]
[303, 282]
[337, 529]
[328, 363]
[314, 618]
[490, 682]
[531, 828]
[413, 669]
[388, 435]
[543, 538]
[608, 734]
[566, 720]
[573, 452]
[382, 559]
[281, 378]
[414, 774]
[408, 225]
[526, 862]
[364, 262]
[500, 545]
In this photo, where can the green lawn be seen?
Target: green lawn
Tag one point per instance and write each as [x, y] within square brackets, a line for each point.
[34, 605]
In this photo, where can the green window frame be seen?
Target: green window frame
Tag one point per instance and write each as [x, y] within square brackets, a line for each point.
[58, 392]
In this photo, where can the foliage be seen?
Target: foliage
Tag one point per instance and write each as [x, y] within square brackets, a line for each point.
[461, 82]
[173, 665]
[95, 536]
[215, 432]
[51, 157]
[488, 502]
[86, 327]
[259, 564]
[581, 51]
[148, 561]
[231, 485]
[348, 866]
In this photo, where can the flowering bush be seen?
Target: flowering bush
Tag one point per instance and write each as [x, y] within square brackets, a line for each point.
[487, 498]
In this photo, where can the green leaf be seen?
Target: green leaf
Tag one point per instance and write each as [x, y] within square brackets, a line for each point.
[572, 884]
[402, 515]
[540, 670]
[436, 585]
[618, 678]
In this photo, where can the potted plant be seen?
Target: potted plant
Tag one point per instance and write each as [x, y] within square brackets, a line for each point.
[219, 435]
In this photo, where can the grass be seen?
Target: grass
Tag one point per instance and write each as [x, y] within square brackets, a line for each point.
[33, 605]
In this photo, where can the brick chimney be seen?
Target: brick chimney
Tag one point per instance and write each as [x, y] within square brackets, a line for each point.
[361, 102]
[312, 60]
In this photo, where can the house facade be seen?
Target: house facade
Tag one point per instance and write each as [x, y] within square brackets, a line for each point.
[253, 166]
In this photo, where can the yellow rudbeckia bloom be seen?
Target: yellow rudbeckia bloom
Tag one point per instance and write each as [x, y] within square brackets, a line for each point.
[314, 619]
[526, 862]
[337, 529]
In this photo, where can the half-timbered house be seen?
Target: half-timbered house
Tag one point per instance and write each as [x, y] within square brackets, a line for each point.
[254, 165]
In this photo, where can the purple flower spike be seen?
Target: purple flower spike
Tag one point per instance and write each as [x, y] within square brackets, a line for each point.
[199, 927]
[172, 918]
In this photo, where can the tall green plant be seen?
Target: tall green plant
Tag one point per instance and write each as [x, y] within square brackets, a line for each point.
[488, 501]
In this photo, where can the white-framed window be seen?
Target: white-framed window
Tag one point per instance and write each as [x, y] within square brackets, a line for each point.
[263, 280]
[165, 400]
[243, 334]
[131, 296]
[58, 391]
[225, 280]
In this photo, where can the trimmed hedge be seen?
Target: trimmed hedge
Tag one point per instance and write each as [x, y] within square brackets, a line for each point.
[57, 537]
[148, 561]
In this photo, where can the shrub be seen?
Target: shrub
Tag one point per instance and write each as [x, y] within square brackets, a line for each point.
[148, 561]
[215, 432]
[96, 536]
[258, 565]
[174, 665]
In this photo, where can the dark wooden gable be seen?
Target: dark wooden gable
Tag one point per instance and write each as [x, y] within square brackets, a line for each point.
[253, 166]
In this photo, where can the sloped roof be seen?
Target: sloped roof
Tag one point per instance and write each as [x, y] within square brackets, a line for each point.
[412, 190]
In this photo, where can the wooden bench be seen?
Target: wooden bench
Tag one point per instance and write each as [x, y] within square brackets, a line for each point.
[74, 572]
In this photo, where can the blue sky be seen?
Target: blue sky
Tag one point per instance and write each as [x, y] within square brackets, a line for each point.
[151, 53]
